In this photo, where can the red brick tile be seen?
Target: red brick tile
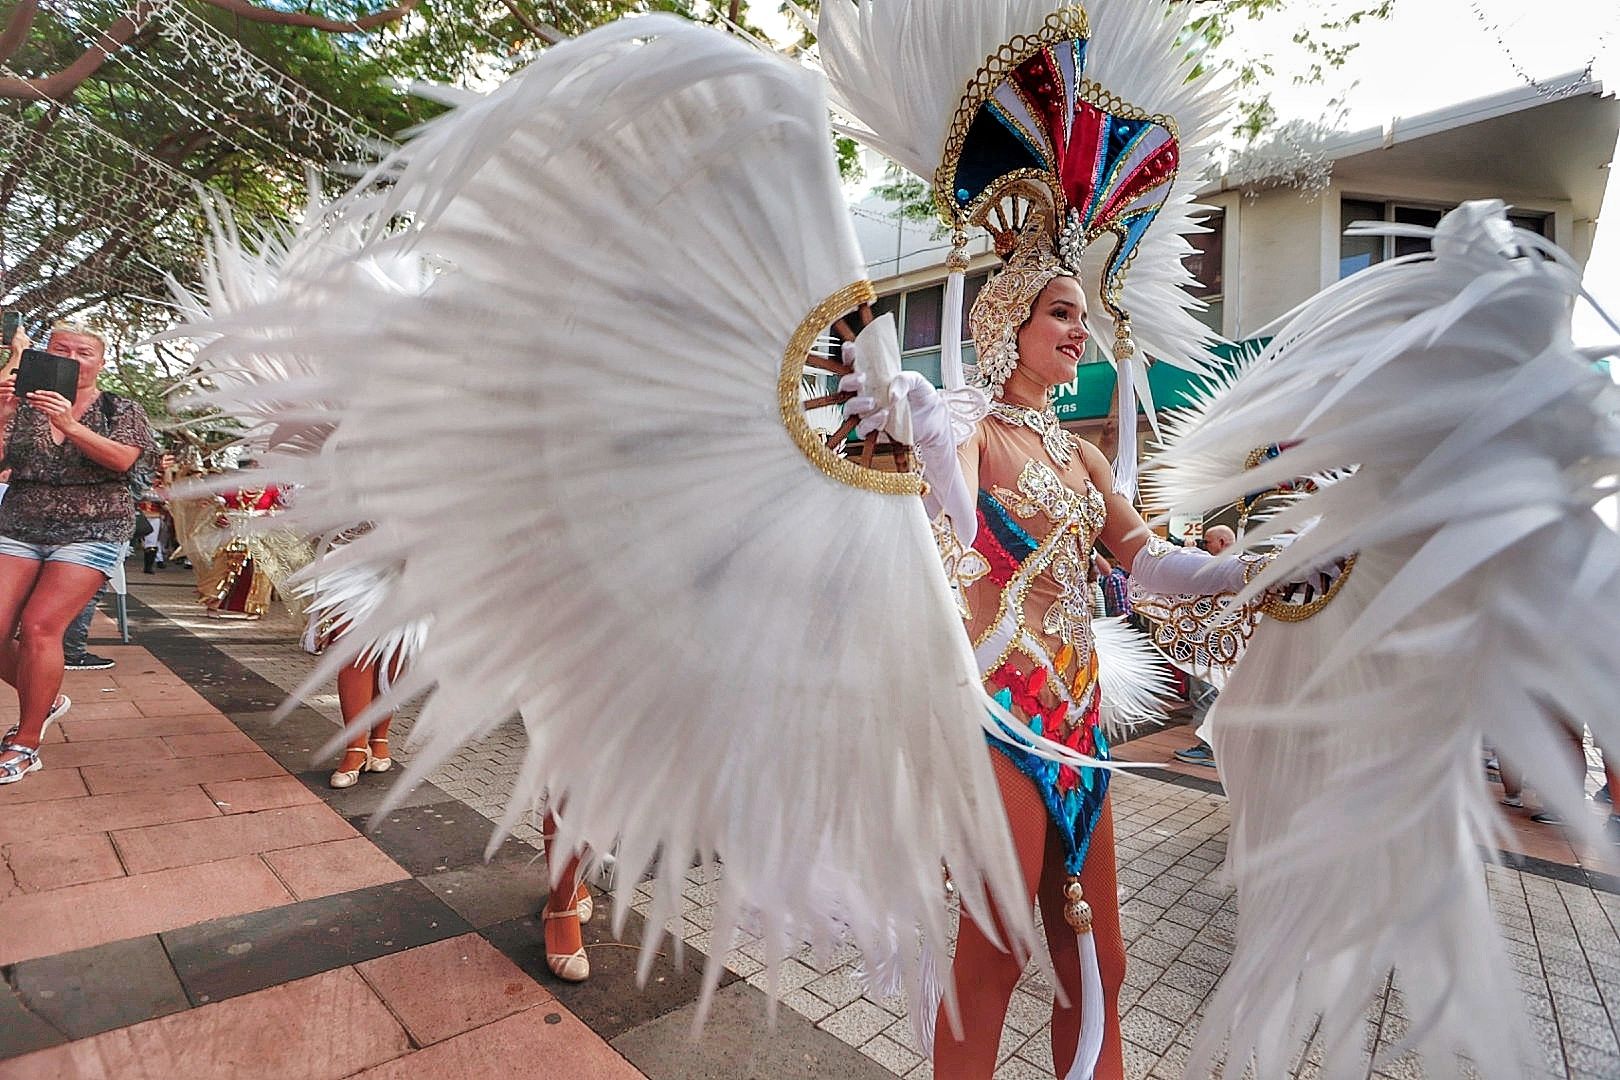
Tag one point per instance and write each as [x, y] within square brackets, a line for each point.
[246, 796]
[525, 1045]
[59, 861]
[179, 772]
[42, 924]
[191, 705]
[74, 755]
[320, 1028]
[164, 691]
[85, 730]
[451, 986]
[210, 745]
[146, 678]
[105, 813]
[46, 784]
[101, 708]
[334, 867]
[183, 843]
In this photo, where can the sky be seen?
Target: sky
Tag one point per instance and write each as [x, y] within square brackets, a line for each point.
[1433, 53]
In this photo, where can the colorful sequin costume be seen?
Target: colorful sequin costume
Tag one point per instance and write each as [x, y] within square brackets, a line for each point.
[1030, 620]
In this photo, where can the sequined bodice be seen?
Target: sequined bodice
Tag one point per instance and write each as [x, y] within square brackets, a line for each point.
[1032, 518]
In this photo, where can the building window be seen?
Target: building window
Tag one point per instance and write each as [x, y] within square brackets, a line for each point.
[1358, 252]
[920, 316]
[1205, 264]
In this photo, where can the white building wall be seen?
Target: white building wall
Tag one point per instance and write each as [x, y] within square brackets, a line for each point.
[1277, 238]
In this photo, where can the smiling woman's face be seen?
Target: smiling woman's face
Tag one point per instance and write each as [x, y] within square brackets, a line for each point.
[1052, 342]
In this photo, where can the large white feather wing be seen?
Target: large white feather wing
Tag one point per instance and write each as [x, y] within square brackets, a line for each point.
[1482, 607]
[575, 443]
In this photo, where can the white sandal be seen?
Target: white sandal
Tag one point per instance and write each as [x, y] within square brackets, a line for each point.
[59, 708]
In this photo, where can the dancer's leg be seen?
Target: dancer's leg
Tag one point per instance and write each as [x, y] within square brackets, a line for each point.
[1098, 881]
[357, 688]
[560, 918]
[984, 975]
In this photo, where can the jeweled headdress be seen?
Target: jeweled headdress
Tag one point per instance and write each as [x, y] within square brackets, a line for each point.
[1085, 122]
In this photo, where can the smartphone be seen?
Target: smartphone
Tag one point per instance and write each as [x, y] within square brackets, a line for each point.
[41, 370]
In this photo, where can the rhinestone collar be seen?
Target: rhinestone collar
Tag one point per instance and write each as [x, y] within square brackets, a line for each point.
[1060, 445]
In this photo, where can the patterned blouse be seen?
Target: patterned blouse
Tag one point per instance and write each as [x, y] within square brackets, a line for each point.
[60, 496]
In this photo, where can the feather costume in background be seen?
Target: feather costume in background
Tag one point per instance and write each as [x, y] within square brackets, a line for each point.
[1470, 441]
[1084, 114]
[268, 393]
[611, 504]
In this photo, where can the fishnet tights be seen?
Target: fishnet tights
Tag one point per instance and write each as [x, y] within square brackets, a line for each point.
[985, 977]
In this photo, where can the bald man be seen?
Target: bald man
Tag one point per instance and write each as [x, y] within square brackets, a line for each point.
[1217, 538]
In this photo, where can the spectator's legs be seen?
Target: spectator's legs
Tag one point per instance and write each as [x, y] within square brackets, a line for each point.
[17, 577]
[61, 593]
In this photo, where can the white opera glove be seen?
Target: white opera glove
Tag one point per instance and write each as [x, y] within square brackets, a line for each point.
[909, 408]
[1162, 568]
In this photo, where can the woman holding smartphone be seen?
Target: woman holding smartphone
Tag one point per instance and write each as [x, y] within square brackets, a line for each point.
[63, 526]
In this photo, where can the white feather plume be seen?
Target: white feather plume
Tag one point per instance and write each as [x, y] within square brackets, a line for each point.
[573, 443]
[899, 69]
[1482, 607]
[1133, 676]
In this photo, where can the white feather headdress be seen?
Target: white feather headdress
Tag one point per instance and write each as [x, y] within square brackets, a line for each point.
[1093, 117]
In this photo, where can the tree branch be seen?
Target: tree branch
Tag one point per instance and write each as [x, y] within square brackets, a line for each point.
[544, 31]
[254, 13]
[60, 86]
[17, 27]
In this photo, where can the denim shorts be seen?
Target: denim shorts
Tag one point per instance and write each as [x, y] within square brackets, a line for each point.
[100, 555]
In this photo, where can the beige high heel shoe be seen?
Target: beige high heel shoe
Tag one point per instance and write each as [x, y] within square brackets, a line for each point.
[378, 764]
[575, 967]
[347, 778]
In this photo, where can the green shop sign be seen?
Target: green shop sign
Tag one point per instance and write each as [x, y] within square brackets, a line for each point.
[1091, 395]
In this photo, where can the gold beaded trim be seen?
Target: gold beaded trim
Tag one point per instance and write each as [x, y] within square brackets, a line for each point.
[790, 401]
[1275, 608]
[1062, 25]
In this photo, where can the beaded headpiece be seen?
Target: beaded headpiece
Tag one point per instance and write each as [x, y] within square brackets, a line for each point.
[1036, 143]
[1089, 124]
[1003, 306]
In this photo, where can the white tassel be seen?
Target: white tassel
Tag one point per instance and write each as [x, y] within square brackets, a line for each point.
[1125, 452]
[1089, 1046]
[950, 341]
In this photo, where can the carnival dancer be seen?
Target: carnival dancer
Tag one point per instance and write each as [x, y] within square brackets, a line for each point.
[1074, 136]
[736, 646]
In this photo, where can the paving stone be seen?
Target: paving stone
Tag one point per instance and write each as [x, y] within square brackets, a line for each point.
[602, 1001]
[891, 1055]
[238, 955]
[441, 836]
[80, 916]
[59, 861]
[441, 990]
[178, 775]
[858, 1022]
[1148, 1029]
[337, 866]
[738, 1045]
[88, 991]
[21, 1029]
[83, 729]
[341, 1029]
[489, 894]
[264, 793]
[43, 785]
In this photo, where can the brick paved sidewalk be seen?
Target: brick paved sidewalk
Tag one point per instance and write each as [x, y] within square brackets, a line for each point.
[316, 955]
